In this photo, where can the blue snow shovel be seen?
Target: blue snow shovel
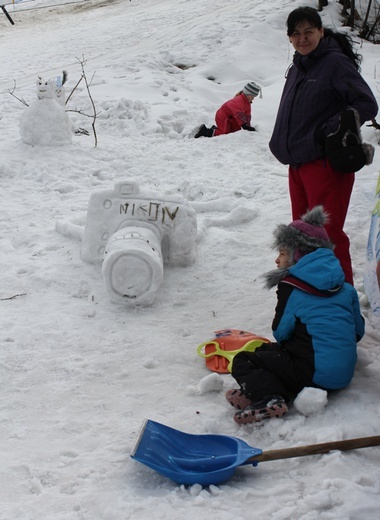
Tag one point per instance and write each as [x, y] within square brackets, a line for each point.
[212, 459]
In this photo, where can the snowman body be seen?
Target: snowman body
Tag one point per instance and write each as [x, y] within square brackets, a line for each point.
[45, 121]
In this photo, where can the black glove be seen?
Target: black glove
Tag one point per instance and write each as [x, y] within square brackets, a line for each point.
[344, 148]
[246, 126]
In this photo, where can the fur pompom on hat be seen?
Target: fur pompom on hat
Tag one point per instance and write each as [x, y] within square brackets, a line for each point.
[305, 235]
[252, 89]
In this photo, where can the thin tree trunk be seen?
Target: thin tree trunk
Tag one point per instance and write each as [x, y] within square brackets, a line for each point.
[365, 21]
[352, 14]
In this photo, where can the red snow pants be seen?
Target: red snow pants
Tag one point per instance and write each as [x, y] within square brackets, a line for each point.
[226, 123]
[317, 183]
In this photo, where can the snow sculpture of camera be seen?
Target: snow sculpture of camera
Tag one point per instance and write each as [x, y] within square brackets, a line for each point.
[134, 234]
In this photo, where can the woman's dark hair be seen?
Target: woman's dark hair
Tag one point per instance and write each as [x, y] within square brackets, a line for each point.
[303, 14]
[311, 15]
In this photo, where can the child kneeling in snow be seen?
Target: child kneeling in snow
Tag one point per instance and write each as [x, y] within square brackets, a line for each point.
[234, 114]
[317, 324]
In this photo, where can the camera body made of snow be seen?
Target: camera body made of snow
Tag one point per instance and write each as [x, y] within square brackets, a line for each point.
[134, 234]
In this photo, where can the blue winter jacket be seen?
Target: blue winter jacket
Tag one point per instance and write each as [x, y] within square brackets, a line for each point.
[318, 319]
[318, 87]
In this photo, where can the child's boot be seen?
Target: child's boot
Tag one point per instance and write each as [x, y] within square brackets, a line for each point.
[237, 399]
[203, 131]
[272, 406]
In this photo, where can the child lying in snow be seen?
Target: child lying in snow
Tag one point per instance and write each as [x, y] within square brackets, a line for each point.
[317, 324]
[233, 114]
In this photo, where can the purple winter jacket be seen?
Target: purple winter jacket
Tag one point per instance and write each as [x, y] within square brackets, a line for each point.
[318, 87]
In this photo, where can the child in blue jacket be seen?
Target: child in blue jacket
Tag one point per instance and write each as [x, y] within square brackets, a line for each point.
[317, 325]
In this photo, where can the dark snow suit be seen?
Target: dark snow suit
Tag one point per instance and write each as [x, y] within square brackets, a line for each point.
[232, 115]
[317, 324]
[318, 87]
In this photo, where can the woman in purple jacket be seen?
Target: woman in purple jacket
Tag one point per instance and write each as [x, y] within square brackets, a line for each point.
[322, 83]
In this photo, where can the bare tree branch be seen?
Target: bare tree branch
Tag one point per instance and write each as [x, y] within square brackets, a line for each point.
[14, 296]
[82, 63]
[73, 90]
[375, 124]
[12, 93]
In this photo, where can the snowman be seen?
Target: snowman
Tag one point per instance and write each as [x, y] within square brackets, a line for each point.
[45, 121]
[60, 92]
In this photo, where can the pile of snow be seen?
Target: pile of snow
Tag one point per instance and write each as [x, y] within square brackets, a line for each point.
[310, 401]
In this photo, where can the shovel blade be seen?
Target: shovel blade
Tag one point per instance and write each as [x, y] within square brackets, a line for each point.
[190, 459]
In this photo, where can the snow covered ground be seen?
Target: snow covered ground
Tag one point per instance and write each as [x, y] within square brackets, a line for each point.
[79, 374]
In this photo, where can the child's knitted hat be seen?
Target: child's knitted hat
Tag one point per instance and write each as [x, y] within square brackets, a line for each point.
[305, 235]
[252, 89]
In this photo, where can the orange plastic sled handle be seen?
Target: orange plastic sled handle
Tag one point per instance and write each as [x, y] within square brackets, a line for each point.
[250, 346]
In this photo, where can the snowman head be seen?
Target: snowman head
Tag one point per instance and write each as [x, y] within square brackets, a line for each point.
[60, 92]
[45, 89]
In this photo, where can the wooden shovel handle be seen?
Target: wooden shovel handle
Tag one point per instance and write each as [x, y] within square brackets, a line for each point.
[316, 449]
